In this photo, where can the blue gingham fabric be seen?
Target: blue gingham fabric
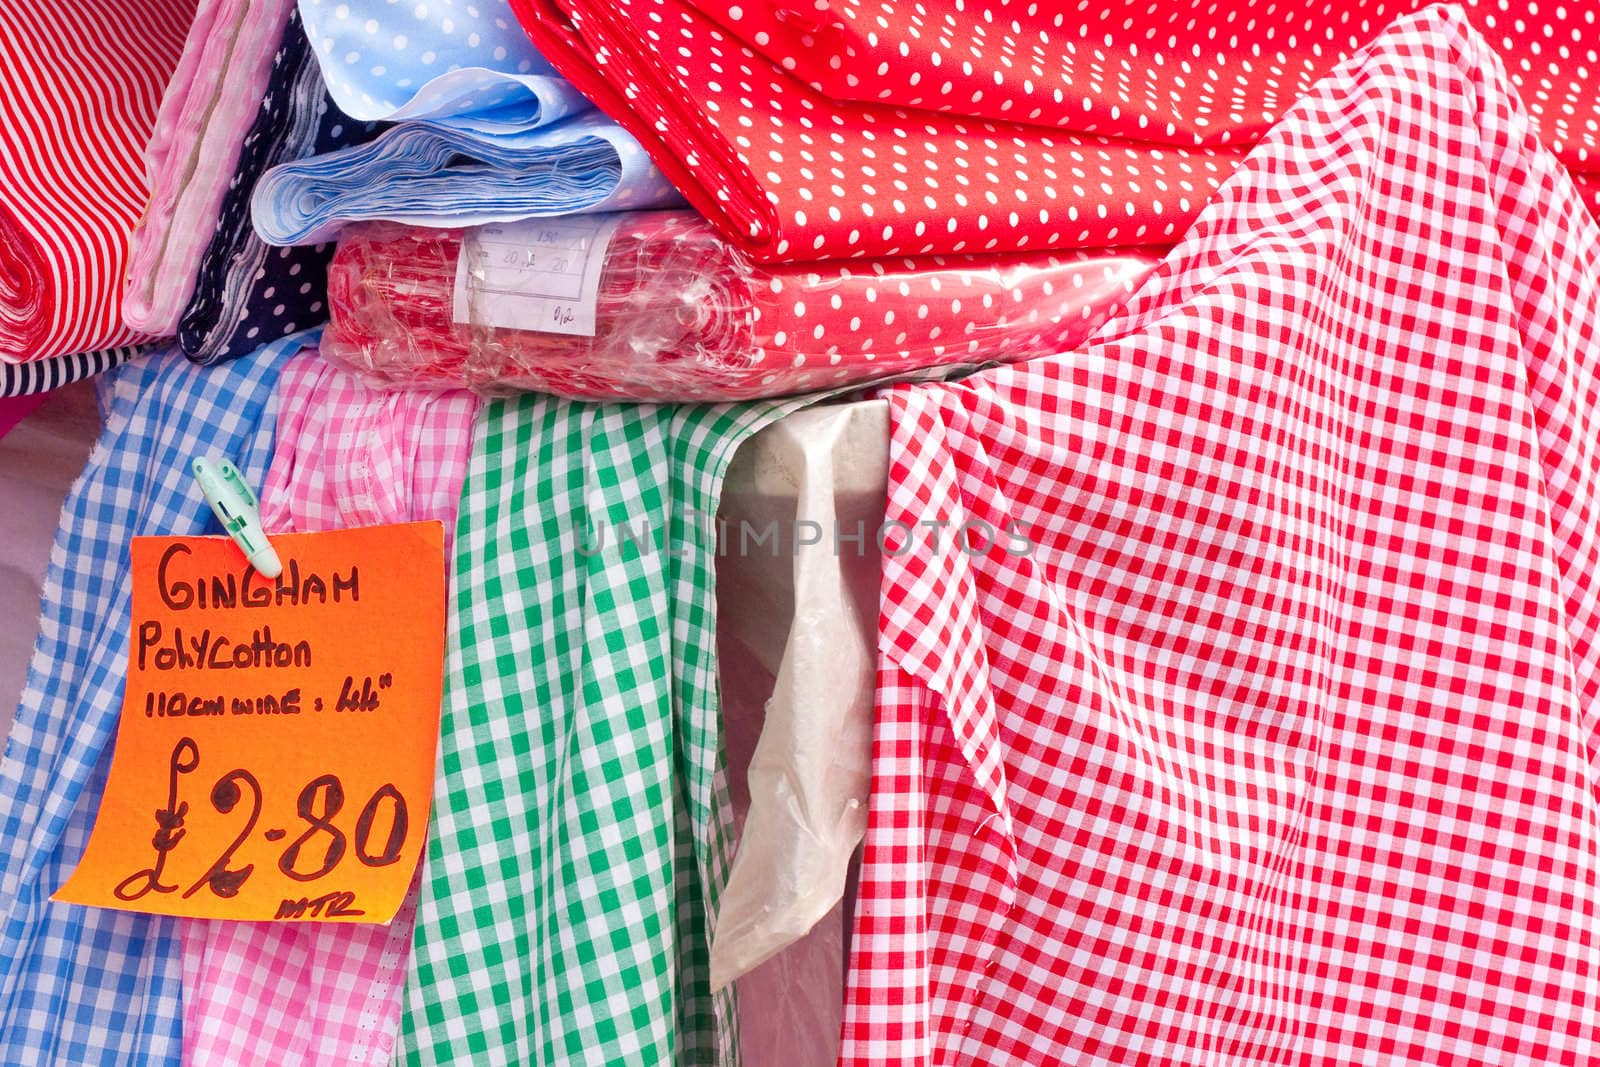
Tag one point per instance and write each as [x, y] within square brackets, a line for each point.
[88, 986]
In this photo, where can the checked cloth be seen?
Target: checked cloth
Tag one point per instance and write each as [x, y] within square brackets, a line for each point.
[581, 830]
[78, 985]
[307, 994]
[1279, 744]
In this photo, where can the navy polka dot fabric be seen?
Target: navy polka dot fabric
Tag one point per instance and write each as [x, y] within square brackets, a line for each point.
[248, 294]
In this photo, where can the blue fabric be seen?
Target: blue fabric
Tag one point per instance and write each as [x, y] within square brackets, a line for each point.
[246, 294]
[436, 59]
[81, 987]
[431, 175]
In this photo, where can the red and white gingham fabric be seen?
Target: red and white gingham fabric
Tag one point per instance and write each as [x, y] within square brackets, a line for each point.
[310, 994]
[1278, 746]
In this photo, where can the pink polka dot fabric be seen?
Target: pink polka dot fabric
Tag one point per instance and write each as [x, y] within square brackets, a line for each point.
[681, 315]
[846, 128]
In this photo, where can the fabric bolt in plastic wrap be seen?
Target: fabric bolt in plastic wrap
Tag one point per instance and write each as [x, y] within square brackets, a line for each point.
[444, 59]
[838, 129]
[436, 175]
[94, 986]
[210, 103]
[304, 995]
[245, 293]
[80, 85]
[1275, 741]
[680, 314]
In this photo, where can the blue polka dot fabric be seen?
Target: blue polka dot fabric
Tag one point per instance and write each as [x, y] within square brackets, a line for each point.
[435, 59]
[247, 294]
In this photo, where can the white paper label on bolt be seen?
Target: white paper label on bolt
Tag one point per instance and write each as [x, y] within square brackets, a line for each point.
[538, 274]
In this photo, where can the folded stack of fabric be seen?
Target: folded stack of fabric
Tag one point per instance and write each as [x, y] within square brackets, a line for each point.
[213, 96]
[681, 310]
[682, 315]
[445, 174]
[485, 131]
[244, 292]
[247, 94]
[834, 130]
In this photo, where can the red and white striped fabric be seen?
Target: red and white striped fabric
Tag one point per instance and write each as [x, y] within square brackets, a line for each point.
[80, 82]
[1267, 734]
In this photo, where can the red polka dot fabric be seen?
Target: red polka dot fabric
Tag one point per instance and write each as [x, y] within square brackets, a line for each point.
[1238, 671]
[849, 128]
[1150, 70]
[681, 315]
[792, 175]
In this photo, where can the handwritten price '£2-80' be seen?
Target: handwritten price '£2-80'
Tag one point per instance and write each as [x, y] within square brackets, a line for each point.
[274, 758]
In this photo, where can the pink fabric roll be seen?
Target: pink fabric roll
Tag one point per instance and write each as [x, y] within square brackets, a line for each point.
[208, 107]
[311, 994]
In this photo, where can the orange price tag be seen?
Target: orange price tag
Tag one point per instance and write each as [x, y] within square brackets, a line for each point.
[274, 759]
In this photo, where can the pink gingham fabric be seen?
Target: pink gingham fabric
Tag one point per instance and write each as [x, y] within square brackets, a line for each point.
[1275, 742]
[310, 994]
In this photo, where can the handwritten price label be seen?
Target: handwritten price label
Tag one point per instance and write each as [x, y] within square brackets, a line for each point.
[274, 758]
[540, 274]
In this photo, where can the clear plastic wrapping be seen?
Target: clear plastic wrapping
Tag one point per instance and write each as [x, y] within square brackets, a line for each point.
[679, 314]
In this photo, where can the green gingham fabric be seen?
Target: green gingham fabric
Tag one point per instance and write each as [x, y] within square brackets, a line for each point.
[581, 830]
